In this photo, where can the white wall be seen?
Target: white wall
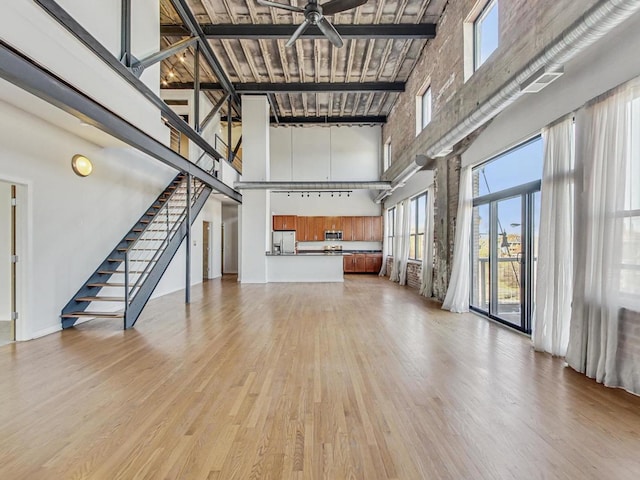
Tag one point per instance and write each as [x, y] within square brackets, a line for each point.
[174, 278]
[609, 62]
[5, 251]
[325, 154]
[360, 202]
[46, 39]
[230, 221]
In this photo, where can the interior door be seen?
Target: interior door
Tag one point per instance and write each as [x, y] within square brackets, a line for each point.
[206, 249]
[7, 262]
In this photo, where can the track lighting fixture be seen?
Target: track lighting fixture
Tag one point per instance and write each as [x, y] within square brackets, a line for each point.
[319, 192]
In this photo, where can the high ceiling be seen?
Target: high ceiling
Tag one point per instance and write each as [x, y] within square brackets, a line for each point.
[381, 64]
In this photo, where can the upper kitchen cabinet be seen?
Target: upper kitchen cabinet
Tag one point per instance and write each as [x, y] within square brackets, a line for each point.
[284, 222]
[301, 229]
[358, 228]
[347, 229]
[333, 223]
[315, 229]
[373, 229]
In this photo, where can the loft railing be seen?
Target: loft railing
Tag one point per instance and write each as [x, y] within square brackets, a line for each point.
[223, 148]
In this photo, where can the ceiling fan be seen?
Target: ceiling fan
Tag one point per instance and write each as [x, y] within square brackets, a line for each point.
[314, 14]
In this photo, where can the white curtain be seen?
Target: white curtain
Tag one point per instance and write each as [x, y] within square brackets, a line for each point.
[401, 243]
[457, 298]
[607, 242]
[426, 280]
[385, 245]
[554, 285]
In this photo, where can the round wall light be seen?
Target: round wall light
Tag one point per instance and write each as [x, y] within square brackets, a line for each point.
[81, 165]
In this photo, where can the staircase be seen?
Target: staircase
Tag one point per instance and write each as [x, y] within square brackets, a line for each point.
[125, 280]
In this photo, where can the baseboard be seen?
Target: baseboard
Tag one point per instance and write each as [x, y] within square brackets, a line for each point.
[43, 332]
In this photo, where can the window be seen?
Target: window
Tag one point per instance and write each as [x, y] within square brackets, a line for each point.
[485, 34]
[386, 155]
[416, 226]
[391, 227]
[630, 261]
[423, 110]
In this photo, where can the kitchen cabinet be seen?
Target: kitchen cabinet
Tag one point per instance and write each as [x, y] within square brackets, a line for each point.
[348, 264]
[284, 222]
[332, 223]
[362, 263]
[347, 229]
[373, 262]
[301, 229]
[373, 229]
[315, 229]
[358, 228]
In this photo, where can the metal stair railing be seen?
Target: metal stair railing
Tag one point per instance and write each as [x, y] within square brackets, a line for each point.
[155, 238]
[159, 232]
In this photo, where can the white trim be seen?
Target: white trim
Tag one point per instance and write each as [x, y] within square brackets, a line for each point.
[44, 332]
[421, 91]
[469, 37]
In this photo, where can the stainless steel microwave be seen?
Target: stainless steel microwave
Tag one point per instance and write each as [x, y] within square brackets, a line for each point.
[333, 235]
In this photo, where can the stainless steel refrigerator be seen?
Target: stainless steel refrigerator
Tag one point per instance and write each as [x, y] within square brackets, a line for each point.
[284, 242]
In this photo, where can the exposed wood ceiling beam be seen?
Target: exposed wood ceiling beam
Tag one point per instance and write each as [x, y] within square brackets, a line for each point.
[297, 87]
[348, 120]
[263, 31]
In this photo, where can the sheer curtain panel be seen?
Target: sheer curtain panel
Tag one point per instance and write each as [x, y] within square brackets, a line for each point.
[404, 242]
[603, 342]
[426, 281]
[554, 285]
[457, 298]
[401, 243]
[394, 276]
[385, 245]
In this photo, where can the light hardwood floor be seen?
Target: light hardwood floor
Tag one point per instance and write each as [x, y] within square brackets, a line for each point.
[362, 380]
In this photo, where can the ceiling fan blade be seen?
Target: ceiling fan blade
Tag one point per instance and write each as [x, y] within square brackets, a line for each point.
[330, 32]
[337, 6]
[299, 31]
[283, 6]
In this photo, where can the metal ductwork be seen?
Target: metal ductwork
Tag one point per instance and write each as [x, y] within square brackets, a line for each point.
[310, 186]
[418, 164]
[593, 25]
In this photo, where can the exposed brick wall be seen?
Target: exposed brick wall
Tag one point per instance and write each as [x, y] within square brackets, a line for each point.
[389, 266]
[527, 27]
[414, 272]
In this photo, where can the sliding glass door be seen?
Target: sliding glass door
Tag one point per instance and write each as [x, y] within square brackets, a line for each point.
[504, 247]
[505, 235]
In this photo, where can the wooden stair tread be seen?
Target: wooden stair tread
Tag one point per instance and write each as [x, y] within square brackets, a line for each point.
[111, 272]
[116, 284]
[93, 314]
[99, 299]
